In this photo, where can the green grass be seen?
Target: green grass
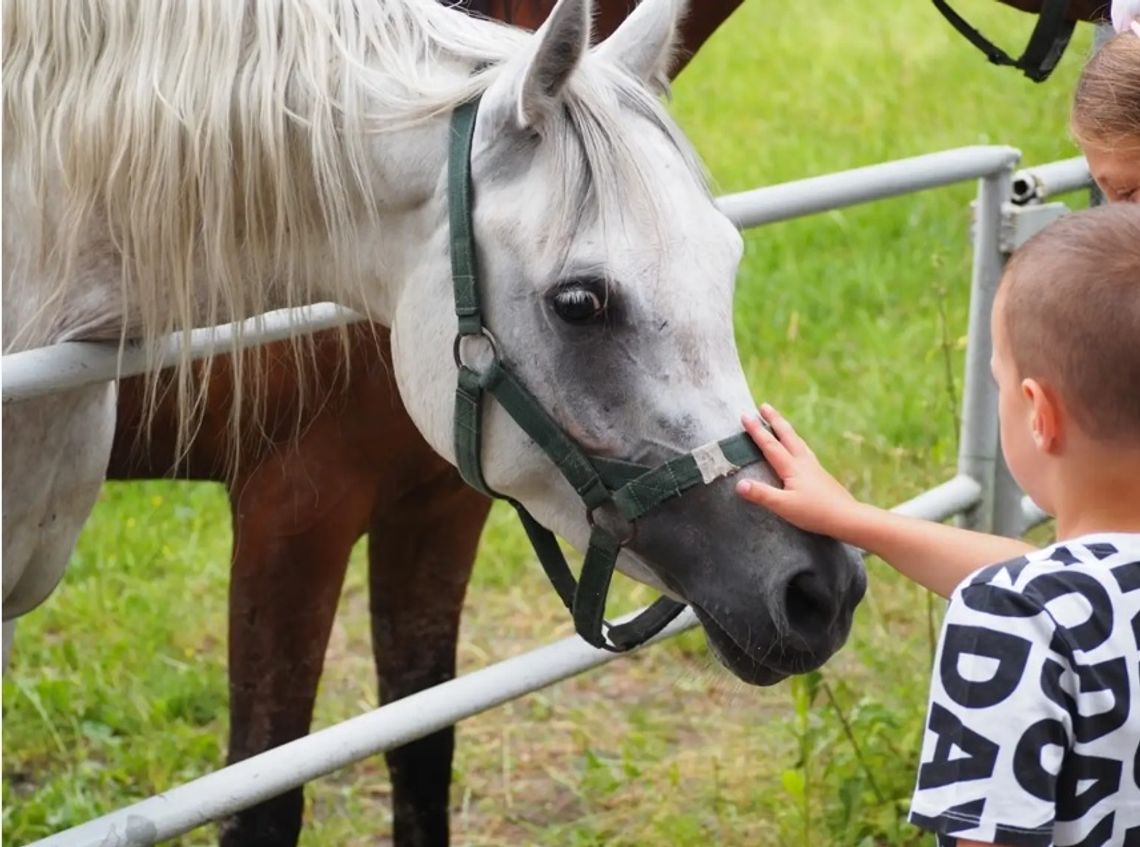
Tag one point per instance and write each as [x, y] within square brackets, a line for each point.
[847, 321]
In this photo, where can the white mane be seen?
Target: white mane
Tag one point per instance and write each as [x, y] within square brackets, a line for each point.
[217, 149]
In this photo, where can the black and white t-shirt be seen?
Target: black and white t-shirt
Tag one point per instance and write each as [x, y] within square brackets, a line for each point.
[1033, 731]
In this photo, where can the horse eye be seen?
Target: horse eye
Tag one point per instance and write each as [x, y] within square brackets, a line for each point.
[578, 303]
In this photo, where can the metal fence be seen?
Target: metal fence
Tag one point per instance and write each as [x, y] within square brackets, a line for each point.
[1009, 208]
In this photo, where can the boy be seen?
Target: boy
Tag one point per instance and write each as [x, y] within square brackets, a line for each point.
[1033, 730]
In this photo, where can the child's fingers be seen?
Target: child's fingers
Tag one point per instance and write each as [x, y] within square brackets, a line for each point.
[775, 452]
[760, 493]
[784, 430]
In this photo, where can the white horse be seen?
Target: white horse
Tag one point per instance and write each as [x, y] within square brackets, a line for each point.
[168, 165]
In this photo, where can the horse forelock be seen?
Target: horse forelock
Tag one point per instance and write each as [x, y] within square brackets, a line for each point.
[603, 170]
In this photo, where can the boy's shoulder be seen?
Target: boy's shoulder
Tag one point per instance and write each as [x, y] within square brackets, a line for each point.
[1082, 579]
[1039, 575]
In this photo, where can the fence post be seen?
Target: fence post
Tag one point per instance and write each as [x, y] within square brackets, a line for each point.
[979, 451]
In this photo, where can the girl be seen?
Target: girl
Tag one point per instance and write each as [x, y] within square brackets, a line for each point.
[1106, 108]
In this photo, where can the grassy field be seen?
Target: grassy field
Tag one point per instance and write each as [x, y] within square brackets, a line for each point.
[852, 322]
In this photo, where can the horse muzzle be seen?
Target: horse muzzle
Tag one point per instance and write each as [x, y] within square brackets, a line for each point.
[773, 600]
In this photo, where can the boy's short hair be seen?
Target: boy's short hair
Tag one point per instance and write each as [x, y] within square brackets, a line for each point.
[1071, 307]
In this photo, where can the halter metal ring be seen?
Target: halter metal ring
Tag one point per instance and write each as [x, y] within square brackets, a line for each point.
[485, 334]
[613, 518]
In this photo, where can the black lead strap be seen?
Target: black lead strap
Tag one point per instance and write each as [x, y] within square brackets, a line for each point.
[1046, 45]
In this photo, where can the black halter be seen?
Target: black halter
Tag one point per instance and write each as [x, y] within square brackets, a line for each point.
[615, 493]
[1046, 45]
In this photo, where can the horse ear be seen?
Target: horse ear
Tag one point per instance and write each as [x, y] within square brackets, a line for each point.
[645, 41]
[562, 41]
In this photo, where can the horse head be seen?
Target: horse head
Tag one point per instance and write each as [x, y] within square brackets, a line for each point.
[307, 160]
[607, 277]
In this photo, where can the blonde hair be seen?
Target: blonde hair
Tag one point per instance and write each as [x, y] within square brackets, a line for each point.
[1106, 104]
[1071, 306]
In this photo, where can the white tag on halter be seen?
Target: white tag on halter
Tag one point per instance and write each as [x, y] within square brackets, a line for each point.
[712, 463]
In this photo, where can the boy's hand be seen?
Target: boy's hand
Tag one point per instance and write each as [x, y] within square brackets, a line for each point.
[811, 497]
[935, 556]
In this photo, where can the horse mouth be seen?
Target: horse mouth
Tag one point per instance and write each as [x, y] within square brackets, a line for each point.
[755, 666]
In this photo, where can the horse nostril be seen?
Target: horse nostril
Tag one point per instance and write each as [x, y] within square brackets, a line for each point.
[808, 604]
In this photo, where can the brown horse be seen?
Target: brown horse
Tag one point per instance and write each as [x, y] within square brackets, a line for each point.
[300, 502]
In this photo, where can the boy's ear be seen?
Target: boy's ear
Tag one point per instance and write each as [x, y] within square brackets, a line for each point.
[1046, 415]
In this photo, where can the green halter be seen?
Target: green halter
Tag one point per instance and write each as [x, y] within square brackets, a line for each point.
[615, 493]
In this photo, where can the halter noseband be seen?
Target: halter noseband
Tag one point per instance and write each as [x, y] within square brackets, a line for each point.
[615, 493]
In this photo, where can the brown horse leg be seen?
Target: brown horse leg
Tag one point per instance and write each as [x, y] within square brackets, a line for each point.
[420, 556]
[282, 604]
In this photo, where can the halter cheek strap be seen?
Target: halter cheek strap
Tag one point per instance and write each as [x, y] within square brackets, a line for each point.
[615, 493]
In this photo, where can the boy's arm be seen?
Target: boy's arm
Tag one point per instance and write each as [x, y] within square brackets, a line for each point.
[933, 555]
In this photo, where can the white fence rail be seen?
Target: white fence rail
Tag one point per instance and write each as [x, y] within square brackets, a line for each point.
[982, 493]
[45, 370]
